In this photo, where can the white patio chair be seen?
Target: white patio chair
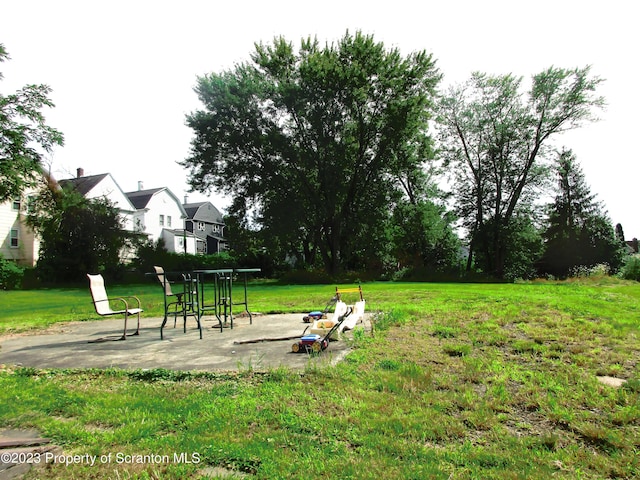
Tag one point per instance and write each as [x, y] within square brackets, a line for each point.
[103, 305]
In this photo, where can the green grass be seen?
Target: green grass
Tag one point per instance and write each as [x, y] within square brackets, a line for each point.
[28, 309]
[460, 381]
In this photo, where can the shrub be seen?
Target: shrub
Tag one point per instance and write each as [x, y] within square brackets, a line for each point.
[10, 274]
[583, 271]
[150, 255]
[631, 268]
[306, 277]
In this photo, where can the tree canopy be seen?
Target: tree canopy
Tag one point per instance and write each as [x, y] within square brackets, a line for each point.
[494, 138]
[24, 136]
[311, 144]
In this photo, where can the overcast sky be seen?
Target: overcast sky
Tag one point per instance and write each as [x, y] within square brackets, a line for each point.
[123, 72]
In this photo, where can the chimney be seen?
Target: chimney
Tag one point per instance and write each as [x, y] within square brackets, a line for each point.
[185, 199]
[80, 172]
[139, 185]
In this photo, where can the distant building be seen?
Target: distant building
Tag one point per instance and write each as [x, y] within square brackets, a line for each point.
[103, 186]
[157, 213]
[206, 223]
[632, 246]
[160, 215]
[17, 241]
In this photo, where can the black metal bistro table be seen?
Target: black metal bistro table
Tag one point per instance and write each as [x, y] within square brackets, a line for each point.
[220, 300]
[244, 272]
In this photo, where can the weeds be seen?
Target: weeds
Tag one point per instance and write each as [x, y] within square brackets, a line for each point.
[456, 350]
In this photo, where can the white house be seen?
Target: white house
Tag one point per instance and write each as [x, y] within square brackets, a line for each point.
[103, 186]
[156, 212]
[17, 241]
[160, 215]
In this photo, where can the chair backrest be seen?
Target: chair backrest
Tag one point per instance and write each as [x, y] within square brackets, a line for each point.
[99, 294]
[163, 280]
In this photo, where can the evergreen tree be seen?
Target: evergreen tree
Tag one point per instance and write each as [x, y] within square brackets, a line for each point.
[620, 234]
[579, 232]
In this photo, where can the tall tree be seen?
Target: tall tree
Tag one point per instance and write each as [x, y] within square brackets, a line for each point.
[312, 141]
[494, 138]
[620, 234]
[24, 136]
[579, 233]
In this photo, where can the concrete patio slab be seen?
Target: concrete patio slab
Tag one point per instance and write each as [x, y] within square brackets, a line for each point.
[68, 346]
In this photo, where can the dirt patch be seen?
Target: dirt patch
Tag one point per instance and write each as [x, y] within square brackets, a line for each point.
[611, 381]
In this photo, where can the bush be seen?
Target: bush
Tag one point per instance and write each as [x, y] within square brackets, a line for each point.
[598, 271]
[631, 268]
[30, 280]
[150, 255]
[305, 277]
[424, 274]
[10, 274]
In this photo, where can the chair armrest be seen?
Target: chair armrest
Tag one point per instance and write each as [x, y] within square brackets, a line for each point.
[127, 303]
[121, 299]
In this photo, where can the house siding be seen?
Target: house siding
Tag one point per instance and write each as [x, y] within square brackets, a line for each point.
[205, 222]
[26, 253]
[108, 188]
[148, 218]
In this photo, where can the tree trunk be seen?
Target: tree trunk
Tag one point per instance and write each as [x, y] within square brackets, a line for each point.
[330, 248]
[499, 261]
[470, 257]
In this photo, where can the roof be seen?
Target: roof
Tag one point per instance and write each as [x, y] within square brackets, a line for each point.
[83, 184]
[86, 186]
[178, 232]
[203, 212]
[140, 198]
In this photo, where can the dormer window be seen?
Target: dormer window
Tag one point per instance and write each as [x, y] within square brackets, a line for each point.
[201, 226]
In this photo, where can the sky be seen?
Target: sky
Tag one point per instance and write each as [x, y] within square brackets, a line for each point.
[123, 72]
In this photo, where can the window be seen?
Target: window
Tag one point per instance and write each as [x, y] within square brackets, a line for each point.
[16, 203]
[216, 229]
[15, 242]
[162, 220]
[31, 200]
[201, 226]
[168, 220]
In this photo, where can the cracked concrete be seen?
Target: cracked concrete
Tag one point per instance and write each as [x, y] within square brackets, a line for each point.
[68, 346]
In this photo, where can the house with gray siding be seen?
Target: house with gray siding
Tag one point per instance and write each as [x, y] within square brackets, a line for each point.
[205, 222]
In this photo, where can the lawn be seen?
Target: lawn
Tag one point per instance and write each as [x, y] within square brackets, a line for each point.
[460, 381]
